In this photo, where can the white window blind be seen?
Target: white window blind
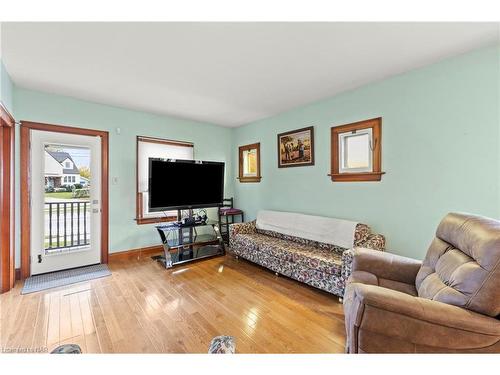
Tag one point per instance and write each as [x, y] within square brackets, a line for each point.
[157, 148]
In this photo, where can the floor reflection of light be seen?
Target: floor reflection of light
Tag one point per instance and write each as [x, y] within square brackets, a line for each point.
[252, 317]
[180, 271]
[151, 303]
[173, 305]
[221, 268]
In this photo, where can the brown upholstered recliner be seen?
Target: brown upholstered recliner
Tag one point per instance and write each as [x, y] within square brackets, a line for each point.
[449, 303]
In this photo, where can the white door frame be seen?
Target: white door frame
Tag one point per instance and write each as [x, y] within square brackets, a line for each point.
[26, 127]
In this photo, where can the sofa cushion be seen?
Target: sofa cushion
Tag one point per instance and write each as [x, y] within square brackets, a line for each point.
[302, 241]
[279, 248]
[248, 241]
[287, 251]
[317, 259]
[322, 260]
[317, 228]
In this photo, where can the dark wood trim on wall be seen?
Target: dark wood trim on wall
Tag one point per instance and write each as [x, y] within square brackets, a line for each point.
[26, 127]
[7, 218]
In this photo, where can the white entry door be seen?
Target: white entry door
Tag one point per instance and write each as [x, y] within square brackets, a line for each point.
[65, 201]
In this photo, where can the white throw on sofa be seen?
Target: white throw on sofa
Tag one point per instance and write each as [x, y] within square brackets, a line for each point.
[312, 249]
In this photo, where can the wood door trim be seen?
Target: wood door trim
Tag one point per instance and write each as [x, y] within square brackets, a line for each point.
[26, 127]
[7, 219]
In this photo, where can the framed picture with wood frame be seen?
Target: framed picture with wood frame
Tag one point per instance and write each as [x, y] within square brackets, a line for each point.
[296, 148]
[249, 163]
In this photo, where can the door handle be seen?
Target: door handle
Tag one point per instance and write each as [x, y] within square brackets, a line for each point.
[96, 210]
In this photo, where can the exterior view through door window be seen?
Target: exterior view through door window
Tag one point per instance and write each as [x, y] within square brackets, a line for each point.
[67, 198]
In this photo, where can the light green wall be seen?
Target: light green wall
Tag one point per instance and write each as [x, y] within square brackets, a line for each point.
[440, 149]
[210, 143]
[6, 88]
[441, 152]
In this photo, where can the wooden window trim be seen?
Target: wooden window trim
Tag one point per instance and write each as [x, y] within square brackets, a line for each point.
[241, 149]
[140, 220]
[7, 219]
[26, 127]
[376, 175]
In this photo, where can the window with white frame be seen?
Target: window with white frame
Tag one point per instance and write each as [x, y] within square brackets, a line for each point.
[67, 165]
[148, 147]
[355, 151]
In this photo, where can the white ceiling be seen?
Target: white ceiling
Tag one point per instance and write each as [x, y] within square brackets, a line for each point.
[223, 73]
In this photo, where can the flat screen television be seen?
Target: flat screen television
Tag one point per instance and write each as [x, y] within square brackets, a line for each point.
[185, 184]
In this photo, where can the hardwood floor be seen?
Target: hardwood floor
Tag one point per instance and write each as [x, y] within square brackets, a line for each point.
[143, 308]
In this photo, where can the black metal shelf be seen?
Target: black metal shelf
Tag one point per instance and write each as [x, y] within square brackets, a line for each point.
[182, 244]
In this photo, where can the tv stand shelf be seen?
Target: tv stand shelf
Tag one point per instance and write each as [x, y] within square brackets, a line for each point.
[182, 244]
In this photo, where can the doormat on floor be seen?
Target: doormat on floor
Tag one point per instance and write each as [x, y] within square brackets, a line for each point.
[62, 278]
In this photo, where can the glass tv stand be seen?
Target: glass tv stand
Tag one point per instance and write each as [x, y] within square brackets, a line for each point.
[182, 244]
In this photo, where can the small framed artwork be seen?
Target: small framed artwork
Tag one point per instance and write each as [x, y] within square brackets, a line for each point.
[296, 148]
[249, 163]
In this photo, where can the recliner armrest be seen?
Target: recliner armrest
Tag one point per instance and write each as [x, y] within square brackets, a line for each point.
[417, 311]
[386, 265]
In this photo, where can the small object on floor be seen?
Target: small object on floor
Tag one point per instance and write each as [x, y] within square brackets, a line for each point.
[67, 349]
[222, 345]
[61, 278]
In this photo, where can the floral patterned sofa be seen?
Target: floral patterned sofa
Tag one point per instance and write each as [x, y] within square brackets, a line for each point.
[324, 266]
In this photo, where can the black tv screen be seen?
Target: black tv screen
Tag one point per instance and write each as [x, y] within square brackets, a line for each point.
[184, 184]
